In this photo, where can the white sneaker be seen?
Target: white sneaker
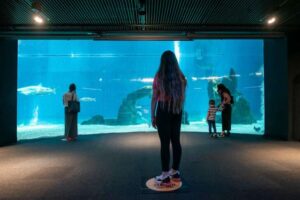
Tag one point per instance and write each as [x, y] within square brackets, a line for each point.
[175, 175]
[222, 134]
[163, 180]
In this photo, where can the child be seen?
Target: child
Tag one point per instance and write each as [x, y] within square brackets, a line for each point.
[211, 118]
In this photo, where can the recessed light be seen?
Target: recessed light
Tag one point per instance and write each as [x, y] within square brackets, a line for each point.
[38, 16]
[272, 20]
[38, 19]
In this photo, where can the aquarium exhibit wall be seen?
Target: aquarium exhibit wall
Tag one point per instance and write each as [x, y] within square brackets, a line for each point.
[114, 83]
[8, 86]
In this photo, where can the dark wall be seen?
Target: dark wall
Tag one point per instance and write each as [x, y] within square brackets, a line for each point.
[294, 85]
[276, 89]
[8, 88]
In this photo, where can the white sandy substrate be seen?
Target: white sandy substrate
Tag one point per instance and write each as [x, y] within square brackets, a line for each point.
[53, 130]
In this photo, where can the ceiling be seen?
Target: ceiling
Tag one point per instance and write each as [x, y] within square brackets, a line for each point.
[121, 19]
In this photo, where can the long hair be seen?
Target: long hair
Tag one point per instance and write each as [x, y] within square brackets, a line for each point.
[222, 88]
[72, 87]
[171, 82]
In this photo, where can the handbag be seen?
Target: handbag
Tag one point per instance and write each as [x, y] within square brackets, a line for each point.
[73, 106]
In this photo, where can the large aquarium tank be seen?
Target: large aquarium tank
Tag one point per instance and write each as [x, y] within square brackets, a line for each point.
[114, 84]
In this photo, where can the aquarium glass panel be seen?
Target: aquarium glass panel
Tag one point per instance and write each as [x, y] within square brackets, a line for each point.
[114, 84]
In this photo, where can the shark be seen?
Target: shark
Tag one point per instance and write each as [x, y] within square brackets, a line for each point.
[36, 90]
[87, 99]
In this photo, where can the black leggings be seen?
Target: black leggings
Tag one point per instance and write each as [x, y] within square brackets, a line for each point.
[226, 118]
[168, 126]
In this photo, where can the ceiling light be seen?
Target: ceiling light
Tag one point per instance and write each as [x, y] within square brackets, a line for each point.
[38, 19]
[272, 20]
[38, 16]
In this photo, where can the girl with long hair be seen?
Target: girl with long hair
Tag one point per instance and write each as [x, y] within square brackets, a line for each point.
[166, 112]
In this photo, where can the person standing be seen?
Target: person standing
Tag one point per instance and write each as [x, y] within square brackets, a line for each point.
[211, 118]
[166, 112]
[226, 101]
[71, 118]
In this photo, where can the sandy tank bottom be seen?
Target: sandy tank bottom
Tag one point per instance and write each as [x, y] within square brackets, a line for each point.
[53, 130]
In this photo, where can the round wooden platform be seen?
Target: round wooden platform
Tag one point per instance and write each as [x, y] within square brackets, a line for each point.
[151, 184]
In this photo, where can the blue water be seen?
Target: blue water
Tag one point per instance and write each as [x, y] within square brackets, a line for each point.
[107, 71]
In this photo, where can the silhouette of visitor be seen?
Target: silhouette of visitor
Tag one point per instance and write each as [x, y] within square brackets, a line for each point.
[71, 118]
[166, 113]
[226, 101]
[211, 118]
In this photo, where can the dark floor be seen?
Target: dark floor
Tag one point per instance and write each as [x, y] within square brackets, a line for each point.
[116, 166]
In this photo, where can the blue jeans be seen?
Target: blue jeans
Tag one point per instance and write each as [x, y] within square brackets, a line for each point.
[211, 123]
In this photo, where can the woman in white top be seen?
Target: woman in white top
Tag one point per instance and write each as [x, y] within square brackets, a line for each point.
[71, 130]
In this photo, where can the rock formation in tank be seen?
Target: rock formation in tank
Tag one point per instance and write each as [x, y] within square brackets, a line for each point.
[128, 113]
[185, 118]
[241, 113]
[97, 119]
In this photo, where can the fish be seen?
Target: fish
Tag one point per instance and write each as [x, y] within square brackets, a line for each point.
[253, 87]
[87, 99]
[36, 90]
[257, 129]
[139, 113]
[147, 87]
[213, 77]
[146, 111]
[207, 78]
[142, 80]
[142, 110]
[257, 74]
[92, 89]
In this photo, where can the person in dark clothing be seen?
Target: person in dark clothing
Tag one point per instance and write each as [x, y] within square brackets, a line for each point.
[71, 128]
[166, 112]
[226, 100]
